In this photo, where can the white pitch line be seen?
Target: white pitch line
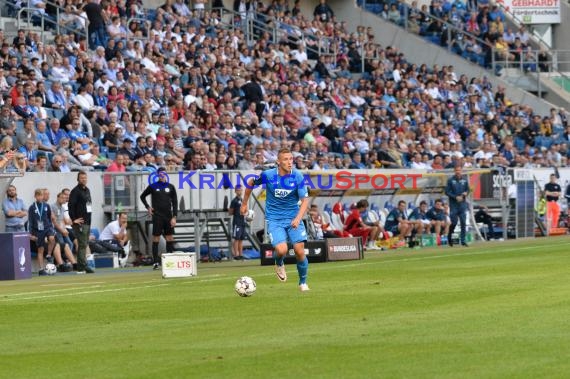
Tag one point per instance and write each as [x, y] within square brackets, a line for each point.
[83, 293]
[69, 284]
[50, 291]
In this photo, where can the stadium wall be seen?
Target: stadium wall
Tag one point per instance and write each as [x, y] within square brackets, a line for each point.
[561, 32]
[214, 199]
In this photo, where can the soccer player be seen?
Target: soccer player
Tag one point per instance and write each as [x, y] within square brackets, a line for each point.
[438, 219]
[457, 190]
[356, 226]
[397, 223]
[163, 211]
[420, 219]
[285, 188]
[238, 225]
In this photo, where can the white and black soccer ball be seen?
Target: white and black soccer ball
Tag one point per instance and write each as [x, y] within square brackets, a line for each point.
[51, 269]
[245, 286]
[249, 216]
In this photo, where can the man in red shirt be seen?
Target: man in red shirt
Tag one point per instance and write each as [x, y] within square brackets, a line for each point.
[117, 183]
[358, 228]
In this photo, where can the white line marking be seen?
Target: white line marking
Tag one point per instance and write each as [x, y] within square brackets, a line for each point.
[83, 293]
[69, 284]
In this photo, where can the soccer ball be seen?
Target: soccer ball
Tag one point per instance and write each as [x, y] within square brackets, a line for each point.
[51, 269]
[249, 215]
[245, 286]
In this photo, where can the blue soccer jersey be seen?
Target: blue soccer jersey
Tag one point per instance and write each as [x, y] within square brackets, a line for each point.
[283, 194]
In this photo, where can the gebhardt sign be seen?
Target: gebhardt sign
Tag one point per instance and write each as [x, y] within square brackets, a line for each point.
[534, 11]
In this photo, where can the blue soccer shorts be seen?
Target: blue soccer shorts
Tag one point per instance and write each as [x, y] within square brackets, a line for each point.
[282, 231]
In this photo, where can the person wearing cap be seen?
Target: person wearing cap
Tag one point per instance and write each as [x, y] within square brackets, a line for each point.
[127, 150]
[164, 210]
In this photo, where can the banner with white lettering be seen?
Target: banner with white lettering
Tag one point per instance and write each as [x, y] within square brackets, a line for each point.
[533, 11]
[344, 249]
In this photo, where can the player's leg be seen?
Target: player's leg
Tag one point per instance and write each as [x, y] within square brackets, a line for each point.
[157, 228]
[298, 237]
[40, 250]
[453, 216]
[278, 238]
[240, 247]
[168, 232]
[55, 251]
[235, 229]
[463, 225]
[68, 254]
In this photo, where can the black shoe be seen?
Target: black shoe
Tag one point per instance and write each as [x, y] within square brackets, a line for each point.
[42, 273]
[89, 270]
[75, 267]
[49, 259]
[464, 244]
[449, 241]
[156, 266]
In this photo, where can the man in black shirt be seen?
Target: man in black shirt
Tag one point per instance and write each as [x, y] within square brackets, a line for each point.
[80, 209]
[96, 31]
[163, 211]
[238, 225]
[552, 191]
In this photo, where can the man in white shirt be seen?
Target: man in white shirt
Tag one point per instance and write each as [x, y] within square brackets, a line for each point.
[115, 233]
[104, 82]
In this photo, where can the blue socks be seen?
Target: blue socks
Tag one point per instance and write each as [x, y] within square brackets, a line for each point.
[279, 261]
[302, 268]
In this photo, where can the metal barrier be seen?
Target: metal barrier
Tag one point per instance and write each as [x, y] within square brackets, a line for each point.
[30, 14]
[288, 33]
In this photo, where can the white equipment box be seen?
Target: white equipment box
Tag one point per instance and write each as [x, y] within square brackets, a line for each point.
[179, 265]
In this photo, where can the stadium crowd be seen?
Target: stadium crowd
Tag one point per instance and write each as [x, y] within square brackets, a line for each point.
[188, 93]
[469, 28]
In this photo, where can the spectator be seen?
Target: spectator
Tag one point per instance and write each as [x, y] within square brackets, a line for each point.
[323, 12]
[97, 35]
[14, 211]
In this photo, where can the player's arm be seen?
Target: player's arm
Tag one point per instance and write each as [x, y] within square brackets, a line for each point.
[231, 209]
[449, 189]
[302, 210]
[249, 185]
[174, 204]
[303, 194]
[143, 197]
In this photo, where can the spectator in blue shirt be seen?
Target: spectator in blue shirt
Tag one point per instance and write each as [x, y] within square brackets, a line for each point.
[55, 133]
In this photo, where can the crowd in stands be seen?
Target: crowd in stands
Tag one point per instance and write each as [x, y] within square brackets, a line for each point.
[190, 93]
[469, 28]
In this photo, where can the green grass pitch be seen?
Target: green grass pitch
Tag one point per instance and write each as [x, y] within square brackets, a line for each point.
[494, 310]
